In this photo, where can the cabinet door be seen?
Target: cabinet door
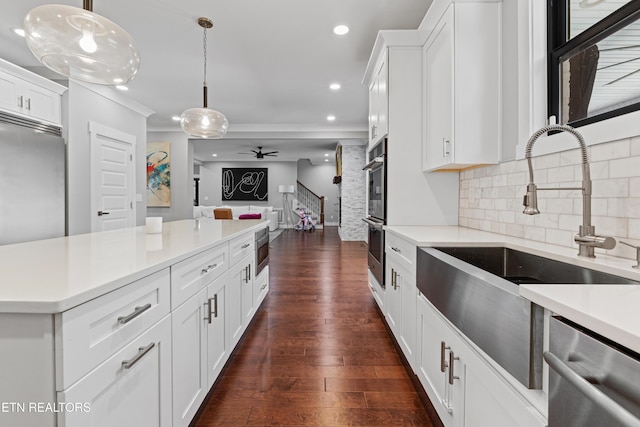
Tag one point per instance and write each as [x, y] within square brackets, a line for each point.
[217, 350]
[233, 303]
[41, 103]
[8, 93]
[190, 385]
[438, 79]
[130, 389]
[435, 345]
[406, 284]
[373, 110]
[382, 99]
[393, 314]
[260, 287]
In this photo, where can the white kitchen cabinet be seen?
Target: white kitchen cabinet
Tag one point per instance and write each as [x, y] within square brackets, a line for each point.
[130, 389]
[378, 292]
[379, 102]
[260, 287]
[463, 387]
[199, 348]
[400, 284]
[238, 296]
[462, 96]
[28, 95]
[189, 345]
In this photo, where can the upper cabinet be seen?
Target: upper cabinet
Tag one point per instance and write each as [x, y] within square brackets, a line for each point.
[462, 95]
[379, 101]
[29, 95]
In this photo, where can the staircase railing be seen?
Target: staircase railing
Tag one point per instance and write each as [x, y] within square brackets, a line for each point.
[310, 202]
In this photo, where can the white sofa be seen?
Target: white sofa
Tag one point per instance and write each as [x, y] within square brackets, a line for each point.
[266, 211]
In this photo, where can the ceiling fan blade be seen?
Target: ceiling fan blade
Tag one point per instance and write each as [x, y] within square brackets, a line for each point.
[270, 152]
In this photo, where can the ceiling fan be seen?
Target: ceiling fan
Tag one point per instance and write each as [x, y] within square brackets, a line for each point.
[260, 155]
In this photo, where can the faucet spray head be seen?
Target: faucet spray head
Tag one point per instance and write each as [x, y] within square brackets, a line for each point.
[530, 201]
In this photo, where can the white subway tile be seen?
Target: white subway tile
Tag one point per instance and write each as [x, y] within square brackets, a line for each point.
[610, 150]
[634, 187]
[561, 174]
[634, 229]
[507, 217]
[624, 167]
[485, 203]
[515, 230]
[508, 167]
[499, 228]
[517, 178]
[569, 222]
[560, 237]
[535, 233]
[559, 206]
[570, 157]
[463, 222]
[635, 147]
[499, 180]
[546, 162]
[617, 207]
[500, 204]
[633, 208]
[610, 226]
[599, 206]
[611, 187]
[599, 170]
[491, 215]
[547, 220]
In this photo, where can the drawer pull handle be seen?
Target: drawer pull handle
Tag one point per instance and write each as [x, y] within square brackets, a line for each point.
[209, 268]
[245, 246]
[215, 306]
[443, 349]
[451, 375]
[127, 364]
[263, 287]
[396, 250]
[136, 312]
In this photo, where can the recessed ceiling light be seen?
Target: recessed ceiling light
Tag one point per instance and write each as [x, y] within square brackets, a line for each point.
[334, 86]
[18, 31]
[341, 30]
[175, 118]
[214, 155]
[331, 118]
[326, 154]
[326, 160]
[122, 88]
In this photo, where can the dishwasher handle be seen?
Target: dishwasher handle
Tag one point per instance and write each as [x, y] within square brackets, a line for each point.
[613, 409]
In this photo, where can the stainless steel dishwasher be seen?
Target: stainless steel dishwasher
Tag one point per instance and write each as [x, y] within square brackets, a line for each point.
[592, 381]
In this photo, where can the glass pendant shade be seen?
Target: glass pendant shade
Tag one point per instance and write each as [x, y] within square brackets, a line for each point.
[81, 45]
[204, 123]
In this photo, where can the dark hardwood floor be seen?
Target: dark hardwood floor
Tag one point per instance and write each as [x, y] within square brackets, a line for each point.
[317, 352]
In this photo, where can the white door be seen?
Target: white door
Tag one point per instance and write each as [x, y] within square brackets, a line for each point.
[113, 178]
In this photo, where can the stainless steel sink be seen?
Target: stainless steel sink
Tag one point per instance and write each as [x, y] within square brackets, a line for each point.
[520, 267]
[477, 290]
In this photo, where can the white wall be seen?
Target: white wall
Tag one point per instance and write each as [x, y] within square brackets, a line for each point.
[181, 170]
[104, 106]
[319, 179]
[279, 173]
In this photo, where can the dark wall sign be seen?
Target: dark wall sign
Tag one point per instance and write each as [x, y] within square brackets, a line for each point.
[248, 184]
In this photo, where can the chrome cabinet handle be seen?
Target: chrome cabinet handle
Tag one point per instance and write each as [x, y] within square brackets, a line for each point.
[396, 250]
[612, 408]
[372, 289]
[207, 312]
[245, 246]
[209, 268]
[20, 102]
[126, 364]
[446, 147]
[443, 349]
[29, 104]
[263, 287]
[395, 280]
[136, 312]
[452, 377]
[249, 271]
[215, 305]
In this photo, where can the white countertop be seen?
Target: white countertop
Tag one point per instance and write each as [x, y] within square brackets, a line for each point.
[50, 276]
[609, 310]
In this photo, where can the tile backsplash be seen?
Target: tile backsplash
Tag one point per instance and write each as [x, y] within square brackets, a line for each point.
[491, 196]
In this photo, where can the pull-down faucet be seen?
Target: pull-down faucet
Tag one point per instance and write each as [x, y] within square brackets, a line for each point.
[586, 238]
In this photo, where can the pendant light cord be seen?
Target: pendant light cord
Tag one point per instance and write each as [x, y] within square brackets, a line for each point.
[204, 80]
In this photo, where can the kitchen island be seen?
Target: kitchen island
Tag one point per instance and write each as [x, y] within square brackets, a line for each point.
[123, 327]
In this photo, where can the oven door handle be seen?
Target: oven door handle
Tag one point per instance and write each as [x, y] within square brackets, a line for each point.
[617, 412]
[374, 224]
[374, 164]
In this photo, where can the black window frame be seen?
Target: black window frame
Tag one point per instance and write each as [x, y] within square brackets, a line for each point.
[558, 46]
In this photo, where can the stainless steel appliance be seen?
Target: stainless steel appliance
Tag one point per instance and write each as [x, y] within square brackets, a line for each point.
[376, 209]
[592, 381]
[262, 249]
[32, 180]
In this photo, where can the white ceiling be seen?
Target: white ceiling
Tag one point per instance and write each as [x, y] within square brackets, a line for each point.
[270, 63]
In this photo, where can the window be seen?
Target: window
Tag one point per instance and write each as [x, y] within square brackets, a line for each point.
[594, 59]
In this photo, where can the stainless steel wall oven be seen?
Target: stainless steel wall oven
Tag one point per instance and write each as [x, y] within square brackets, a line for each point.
[376, 209]
[262, 250]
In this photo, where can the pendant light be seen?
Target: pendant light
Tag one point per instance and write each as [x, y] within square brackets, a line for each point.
[80, 44]
[204, 122]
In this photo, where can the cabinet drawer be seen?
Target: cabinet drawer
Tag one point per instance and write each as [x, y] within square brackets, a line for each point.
[131, 388]
[97, 329]
[401, 250]
[260, 287]
[241, 247]
[196, 272]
